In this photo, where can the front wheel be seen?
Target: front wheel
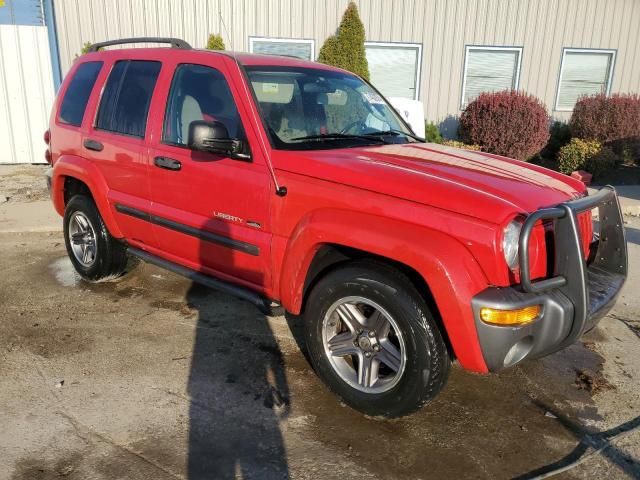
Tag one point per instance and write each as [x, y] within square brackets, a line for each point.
[373, 340]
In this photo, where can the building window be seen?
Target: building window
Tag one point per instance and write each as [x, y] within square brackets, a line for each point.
[304, 49]
[583, 72]
[394, 68]
[490, 69]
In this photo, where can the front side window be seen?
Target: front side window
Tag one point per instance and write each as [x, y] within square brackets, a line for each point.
[306, 108]
[76, 97]
[490, 69]
[127, 96]
[199, 93]
[583, 72]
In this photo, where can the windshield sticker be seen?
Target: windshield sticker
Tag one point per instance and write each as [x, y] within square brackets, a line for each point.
[270, 87]
[373, 97]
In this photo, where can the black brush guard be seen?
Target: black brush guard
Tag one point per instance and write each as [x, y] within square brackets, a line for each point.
[573, 298]
[592, 286]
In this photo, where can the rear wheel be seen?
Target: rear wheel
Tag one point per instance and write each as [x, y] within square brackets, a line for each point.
[94, 253]
[373, 340]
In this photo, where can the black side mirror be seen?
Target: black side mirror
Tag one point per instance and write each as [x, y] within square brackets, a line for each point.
[214, 137]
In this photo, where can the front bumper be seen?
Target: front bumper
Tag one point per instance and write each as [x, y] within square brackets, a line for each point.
[573, 300]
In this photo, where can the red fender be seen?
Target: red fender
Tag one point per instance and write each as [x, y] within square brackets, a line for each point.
[452, 273]
[85, 171]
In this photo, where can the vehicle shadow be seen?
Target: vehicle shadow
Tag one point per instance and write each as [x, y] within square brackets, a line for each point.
[237, 385]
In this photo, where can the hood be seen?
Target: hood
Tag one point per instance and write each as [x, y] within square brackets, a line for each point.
[476, 184]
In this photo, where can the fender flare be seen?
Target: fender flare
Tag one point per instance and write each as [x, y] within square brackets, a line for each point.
[85, 171]
[449, 269]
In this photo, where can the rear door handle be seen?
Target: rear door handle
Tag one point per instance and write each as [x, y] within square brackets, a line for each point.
[93, 145]
[167, 163]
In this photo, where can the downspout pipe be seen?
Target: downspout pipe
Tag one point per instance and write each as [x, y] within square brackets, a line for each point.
[50, 23]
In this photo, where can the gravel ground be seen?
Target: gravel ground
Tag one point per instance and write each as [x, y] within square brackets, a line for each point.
[22, 183]
[153, 377]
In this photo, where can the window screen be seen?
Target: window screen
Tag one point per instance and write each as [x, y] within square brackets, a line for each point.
[489, 70]
[127, 96]
[301, 49]
[583, 73]
[76, 97]
[394, 69]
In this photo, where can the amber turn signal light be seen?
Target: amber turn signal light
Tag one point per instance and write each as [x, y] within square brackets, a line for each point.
[514, 318]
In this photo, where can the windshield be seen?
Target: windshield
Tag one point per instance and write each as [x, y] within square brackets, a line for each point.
[309, 108]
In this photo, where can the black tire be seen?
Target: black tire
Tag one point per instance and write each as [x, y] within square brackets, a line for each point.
[427, 359]
[111, 259]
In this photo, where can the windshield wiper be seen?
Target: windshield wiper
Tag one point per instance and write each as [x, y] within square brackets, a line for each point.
[395, 133]
[337, 136]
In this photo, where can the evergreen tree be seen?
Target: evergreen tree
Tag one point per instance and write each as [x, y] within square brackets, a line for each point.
[345, 49]
[215, 42]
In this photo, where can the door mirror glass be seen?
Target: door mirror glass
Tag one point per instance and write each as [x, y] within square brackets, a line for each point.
[213, 137]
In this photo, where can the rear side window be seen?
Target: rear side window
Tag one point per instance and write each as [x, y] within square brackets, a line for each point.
[126, 98]
[76, 97]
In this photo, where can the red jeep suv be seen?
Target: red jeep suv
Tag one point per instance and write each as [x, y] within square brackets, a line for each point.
[289, 182]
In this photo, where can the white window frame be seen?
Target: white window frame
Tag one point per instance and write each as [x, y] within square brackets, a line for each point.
[469, 48]
[416, 95]
[583, 50]
[309, 41]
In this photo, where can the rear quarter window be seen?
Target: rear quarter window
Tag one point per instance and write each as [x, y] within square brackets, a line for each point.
[126, 98]
[77, 94]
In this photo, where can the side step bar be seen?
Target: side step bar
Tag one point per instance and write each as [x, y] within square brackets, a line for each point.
[263, 304]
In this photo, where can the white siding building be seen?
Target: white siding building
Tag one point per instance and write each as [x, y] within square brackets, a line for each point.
[441, 52]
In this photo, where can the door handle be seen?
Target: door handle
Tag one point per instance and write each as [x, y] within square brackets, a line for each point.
[167, 163]
[93, 145]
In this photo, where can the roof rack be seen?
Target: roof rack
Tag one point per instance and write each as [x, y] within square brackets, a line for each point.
[175, 42]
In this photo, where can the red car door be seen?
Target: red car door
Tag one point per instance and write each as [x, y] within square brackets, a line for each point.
[115, 142]
[210, 211]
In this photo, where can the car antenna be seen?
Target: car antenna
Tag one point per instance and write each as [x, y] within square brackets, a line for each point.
[281, 190]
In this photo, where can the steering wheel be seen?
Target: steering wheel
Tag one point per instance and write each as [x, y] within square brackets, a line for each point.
[358, 123]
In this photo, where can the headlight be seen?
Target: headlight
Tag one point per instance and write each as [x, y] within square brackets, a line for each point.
[510, 242]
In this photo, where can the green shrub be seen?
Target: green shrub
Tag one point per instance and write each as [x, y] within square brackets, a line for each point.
[560, 135]
[85, 48]
[432, 133]
[462, 145]
[576, 154]
[215, 42]
[345, 49]
[602, 162]
[630, 151]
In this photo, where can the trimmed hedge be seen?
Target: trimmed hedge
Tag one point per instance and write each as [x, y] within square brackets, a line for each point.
[560, 135]
[462, 145]
[215, 42]
[345, 49]
[602, 162]
[575, 154]
[606, 119]
[508, 123]
[587, 155]
[432, 133]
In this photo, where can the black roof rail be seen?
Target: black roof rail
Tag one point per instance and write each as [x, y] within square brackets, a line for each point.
[175, 42]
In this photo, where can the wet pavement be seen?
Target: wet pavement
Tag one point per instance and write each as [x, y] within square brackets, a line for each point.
[153, 377]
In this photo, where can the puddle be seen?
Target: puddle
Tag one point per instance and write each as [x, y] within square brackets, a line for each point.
[64, 273]
[499, 418]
